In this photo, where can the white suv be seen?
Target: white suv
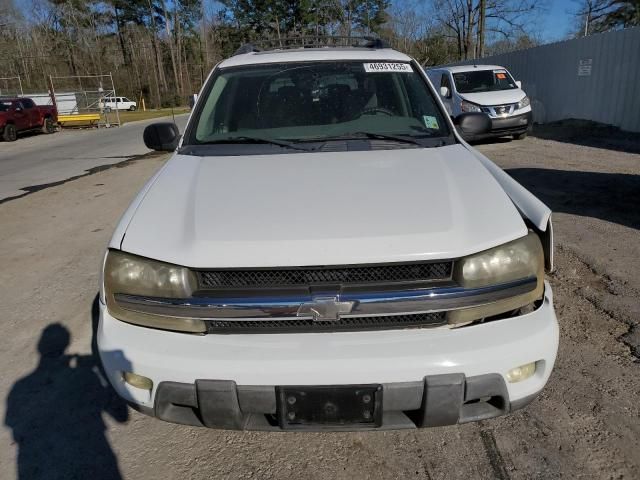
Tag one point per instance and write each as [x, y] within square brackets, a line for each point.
[324, 252]
[119, 103]
[489, 89]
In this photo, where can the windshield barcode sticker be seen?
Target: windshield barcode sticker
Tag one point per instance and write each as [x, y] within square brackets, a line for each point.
[387, 67]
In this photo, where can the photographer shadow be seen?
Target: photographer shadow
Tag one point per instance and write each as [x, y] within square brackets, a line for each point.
[56, 413]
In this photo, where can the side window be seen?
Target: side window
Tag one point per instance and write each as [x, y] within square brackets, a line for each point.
[446, 82]
[27, 103]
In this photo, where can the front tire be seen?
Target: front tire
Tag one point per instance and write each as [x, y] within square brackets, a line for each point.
[48, 126]
[132, 108]
[10, 133]
[520, 136]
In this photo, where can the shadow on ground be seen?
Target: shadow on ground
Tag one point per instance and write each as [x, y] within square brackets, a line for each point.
[55, 413]
[589, 134]
[491, 141]
[613, 197]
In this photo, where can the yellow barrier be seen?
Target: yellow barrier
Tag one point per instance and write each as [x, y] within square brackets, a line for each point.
[79, 119]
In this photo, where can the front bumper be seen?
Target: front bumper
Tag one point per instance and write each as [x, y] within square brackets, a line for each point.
[430, 377]
[500, 127]
[514, 124]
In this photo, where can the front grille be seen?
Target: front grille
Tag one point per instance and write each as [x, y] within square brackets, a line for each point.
[309, 276]
[500, 110]
[296, 325]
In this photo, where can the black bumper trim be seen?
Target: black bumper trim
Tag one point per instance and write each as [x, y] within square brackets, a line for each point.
[517, 122]
[436, 401]
[501, 127]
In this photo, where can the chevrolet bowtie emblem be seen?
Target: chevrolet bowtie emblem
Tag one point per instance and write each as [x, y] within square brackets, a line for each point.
[325, 309]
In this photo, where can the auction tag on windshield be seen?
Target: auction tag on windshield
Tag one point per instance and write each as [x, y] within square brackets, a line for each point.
[430, 122]
[387, 67]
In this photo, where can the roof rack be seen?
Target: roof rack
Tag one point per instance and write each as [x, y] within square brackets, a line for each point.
[321, 41]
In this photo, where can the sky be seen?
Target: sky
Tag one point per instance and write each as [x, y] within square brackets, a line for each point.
[558, 21]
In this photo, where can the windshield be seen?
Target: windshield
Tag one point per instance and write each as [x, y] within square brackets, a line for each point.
[483, 81]
[4, 106]
[306, 102]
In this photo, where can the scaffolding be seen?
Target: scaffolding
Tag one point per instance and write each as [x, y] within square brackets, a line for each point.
[80, 99]
[11, 87]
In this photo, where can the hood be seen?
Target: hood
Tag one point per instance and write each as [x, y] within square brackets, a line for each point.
[495, 98]
[322, 209]
[3, 117]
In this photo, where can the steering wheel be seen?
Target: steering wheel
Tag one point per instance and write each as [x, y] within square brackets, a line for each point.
[373, 110]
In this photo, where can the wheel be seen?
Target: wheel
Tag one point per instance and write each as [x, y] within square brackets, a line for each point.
[520, 136]
[132, 108]
[107, 109]
[48, 126]
[10, 133]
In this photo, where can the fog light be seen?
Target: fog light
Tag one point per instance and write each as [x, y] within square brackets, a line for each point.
[521, 373]
[137, 381]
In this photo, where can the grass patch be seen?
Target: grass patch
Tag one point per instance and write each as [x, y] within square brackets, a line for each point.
[126, 116]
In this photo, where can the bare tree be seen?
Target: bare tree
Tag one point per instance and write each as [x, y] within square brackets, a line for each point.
[172, 50]
[468, 22]
[596, 16]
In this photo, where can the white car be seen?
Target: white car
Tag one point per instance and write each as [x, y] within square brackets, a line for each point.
[119, 103]
[489, 89]
[323, 251]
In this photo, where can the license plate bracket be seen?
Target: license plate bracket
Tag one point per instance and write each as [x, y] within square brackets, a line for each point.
[329, 406]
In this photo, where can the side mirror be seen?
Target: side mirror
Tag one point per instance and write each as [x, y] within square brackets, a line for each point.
[518, 83]
[18, 109]
[471, 124]
[444, 92]
[162, 136]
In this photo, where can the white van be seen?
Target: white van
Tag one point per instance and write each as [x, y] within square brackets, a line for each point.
[485, 88]
[119, 103]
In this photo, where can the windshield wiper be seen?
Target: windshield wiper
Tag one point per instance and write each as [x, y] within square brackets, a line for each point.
[395, 138]
[246, 139]
[371, 135]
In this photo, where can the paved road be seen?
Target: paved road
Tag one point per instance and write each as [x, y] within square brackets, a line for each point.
[36, 160]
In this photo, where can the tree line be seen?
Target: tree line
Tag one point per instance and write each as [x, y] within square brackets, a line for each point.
[162, 50]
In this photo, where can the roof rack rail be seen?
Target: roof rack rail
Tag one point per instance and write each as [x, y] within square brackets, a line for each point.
[246, 48]
[319, 41]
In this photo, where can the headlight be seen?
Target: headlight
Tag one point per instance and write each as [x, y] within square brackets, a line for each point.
[469, 107]
[519, 259]
[525, 102]
[131, 275]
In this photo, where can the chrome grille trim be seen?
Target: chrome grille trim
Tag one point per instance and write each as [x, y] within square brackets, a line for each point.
[499, 111]
[406, 302]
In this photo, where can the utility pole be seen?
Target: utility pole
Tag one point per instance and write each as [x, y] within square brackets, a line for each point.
[481, 20]
[588, 19]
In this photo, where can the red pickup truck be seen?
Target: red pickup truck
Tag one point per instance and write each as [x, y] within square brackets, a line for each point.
[22, 114]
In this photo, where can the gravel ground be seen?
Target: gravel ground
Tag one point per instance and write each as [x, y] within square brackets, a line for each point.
[66, 424]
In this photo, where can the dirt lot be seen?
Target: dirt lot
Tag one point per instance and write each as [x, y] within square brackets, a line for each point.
[586, 424]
